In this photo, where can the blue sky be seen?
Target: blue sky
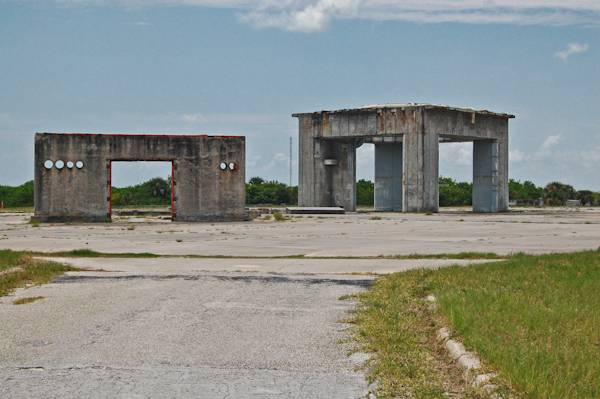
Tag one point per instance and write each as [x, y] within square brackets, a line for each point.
[243, 66]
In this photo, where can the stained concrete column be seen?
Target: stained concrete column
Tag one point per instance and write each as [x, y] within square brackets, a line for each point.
[388, 177]
[503, 191]
[485, 176]
[342, 168]
[420, 186]
[314, 185]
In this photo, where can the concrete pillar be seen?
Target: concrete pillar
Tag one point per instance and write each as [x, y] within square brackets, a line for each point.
[388, 177]
[342, 170]
[420, 185]
[314, 182]
[485, 176]
[490, 175]
[503, 196]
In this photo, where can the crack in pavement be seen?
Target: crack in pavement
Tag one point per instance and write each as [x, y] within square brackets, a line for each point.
[66, 279]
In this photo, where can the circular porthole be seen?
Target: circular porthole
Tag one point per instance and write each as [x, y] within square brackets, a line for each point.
[70, 164]
[59, 164]
[231, 165]
[48, 164]
[79, 164]
[223, 166]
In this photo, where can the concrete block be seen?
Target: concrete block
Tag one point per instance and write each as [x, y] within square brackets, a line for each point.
[208, 174]
[468, 361]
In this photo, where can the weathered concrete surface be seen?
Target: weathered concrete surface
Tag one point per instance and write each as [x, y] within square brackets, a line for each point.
[180, 334]
[199, 328]
[202, 190]
[388, 177]
[327, 139]
[336, 235]
[269, 265]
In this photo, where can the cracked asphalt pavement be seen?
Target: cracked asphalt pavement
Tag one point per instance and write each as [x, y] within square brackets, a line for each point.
[200, 335]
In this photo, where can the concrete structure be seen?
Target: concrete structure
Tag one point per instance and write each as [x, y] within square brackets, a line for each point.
[73, 174]
[406, 138]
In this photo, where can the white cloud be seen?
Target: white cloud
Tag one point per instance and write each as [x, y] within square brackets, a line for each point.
[543, 153]
[551, 141]
[307, 16]
[316, 15]
[517, 156]
[457, 154]
[572, 48]
[193, 119]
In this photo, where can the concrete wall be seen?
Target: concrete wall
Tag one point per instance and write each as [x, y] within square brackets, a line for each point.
[202, 191]
[343, 174]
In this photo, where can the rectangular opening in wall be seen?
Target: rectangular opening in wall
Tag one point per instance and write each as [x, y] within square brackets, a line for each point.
[365, 176]
[141, 191]
[456, 175]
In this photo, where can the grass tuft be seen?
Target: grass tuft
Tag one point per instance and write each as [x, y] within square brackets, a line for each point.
[279, 217]
[34, 223]
[32, 271]
[88, 253]
[27, 300]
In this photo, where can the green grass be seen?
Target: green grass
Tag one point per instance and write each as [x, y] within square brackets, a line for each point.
[393, 323]
[458, 255]
[29, 299]
[279, 217]
[9, 259]
[33, 271]
[88, 253]
[534, 319]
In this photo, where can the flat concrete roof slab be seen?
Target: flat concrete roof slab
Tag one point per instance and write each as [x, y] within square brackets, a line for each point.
[408, 106]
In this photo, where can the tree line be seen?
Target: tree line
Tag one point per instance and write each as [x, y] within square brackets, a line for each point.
[259, 191]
